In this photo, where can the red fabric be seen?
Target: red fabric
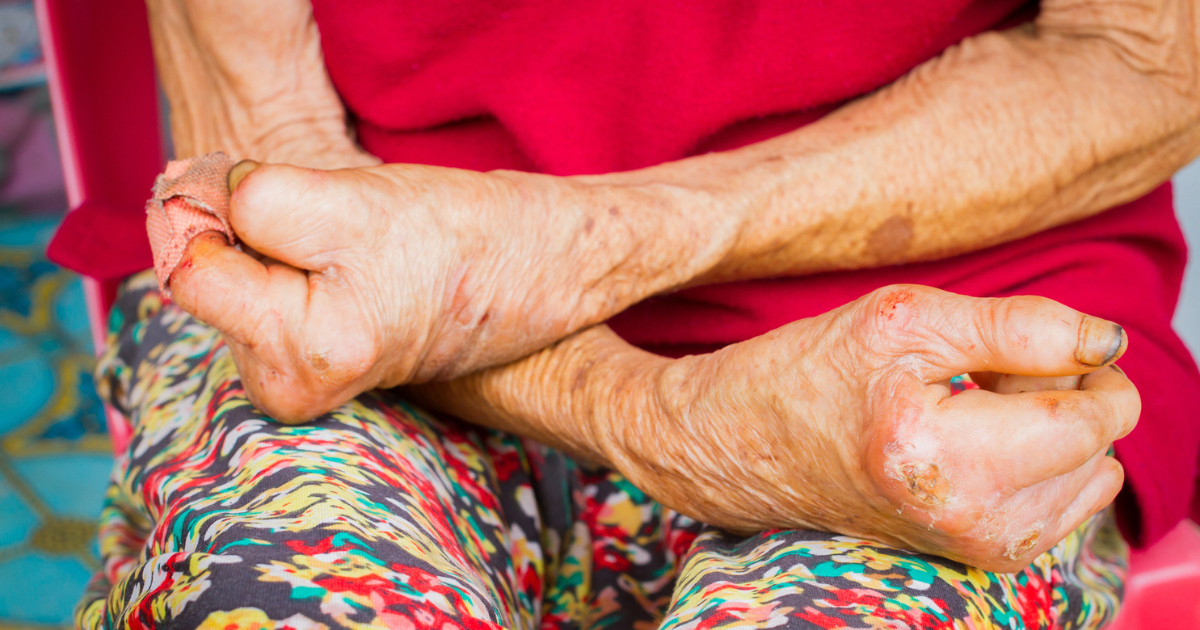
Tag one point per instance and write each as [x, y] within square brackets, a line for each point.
[101, 74]
[585, 87]
[103, 240]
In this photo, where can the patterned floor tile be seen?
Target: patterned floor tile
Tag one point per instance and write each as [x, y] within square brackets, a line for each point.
[54, 450]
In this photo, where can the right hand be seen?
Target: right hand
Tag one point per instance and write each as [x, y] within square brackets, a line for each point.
[845, 423]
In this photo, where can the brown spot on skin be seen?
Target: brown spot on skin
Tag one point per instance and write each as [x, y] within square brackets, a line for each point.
[890, 240]
[615, 211]
[894, 299]
[1052, 405]
[925, 482]
[588, 225]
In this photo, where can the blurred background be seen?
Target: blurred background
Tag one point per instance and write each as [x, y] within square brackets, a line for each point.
[1187, 205]
[54, 451]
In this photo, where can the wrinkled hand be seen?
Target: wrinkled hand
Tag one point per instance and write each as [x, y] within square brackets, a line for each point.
[845, 423]
[380, 276]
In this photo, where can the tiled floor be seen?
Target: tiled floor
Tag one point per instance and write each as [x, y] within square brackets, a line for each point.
[54, 453]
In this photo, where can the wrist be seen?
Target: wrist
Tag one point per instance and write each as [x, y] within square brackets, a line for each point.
[643, 427]
[636, 235]
[621, 410]
[315, 142]
[585, 395]
[723, 216]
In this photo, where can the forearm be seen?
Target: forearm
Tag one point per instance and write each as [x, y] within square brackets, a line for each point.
[1005, 135]
[1002, 136]
[567, 396]
[249, 79]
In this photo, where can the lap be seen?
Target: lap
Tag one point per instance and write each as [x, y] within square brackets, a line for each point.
[380, 515]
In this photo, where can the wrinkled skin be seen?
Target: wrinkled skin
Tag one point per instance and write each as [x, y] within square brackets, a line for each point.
[845, 423]
[382, 275]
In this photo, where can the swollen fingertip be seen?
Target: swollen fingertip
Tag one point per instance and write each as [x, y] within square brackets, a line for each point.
[239, 172]
[1116, 475]
[1100, 342]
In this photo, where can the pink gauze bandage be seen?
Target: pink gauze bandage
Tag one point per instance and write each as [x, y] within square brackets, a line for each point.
[190, 197]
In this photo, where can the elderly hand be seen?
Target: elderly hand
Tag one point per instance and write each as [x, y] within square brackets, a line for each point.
[845, 423]
[381, 276]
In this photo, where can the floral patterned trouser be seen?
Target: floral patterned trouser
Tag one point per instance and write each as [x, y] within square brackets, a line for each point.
[380, 515]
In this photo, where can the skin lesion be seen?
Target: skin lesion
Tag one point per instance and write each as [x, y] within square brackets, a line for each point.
[924, 482]
[319, 361]
[1019, 547]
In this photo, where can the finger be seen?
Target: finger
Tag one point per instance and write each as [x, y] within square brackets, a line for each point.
[231, 291]
[1097, 493]
[1041, 516]
[239, 172]
[1026, 335]
[1113, 385]
[1034, 436]
[1019, 384]
[298, 216]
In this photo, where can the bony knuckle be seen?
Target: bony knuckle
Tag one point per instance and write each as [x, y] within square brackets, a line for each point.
[890, 311]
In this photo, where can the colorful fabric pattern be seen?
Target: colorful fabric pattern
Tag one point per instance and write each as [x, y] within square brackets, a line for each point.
[380, 515]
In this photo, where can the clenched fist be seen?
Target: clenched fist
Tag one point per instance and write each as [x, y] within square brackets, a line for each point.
[845, 423]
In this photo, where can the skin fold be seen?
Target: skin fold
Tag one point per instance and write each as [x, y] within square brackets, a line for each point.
[385, 275]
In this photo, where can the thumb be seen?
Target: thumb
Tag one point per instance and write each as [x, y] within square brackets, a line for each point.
[1026, 335]
[295, 215]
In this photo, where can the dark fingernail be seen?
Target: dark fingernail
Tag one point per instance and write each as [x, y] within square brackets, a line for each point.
[239, 172]
[1100, 341]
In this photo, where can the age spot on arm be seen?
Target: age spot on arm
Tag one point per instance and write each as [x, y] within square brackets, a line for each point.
[891, 240]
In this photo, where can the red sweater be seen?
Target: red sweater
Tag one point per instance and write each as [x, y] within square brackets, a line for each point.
[590, 87]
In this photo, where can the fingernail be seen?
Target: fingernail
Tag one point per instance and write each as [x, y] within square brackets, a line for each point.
[239, 172]
[1100, 341]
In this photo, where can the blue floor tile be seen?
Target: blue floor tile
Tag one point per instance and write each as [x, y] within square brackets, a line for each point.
[70, 484]
[41, 588]
[19, 520]
[28, 385]
[54, 455]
